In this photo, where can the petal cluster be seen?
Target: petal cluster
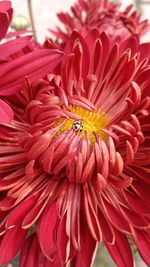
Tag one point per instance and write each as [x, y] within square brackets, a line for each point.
[66, 182]
[105, 16]
[19, 58]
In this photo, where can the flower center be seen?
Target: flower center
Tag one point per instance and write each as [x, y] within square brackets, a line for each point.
[91, 123]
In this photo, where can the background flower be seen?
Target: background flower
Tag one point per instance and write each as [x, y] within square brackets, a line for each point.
[106, 16]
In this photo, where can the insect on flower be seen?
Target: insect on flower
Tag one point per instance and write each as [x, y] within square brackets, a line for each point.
[77, 126]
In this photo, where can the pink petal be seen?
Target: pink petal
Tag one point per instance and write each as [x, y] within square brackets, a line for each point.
[35, 65]
[6, 113]
[5, 5]
[13, 46]
[17, 33]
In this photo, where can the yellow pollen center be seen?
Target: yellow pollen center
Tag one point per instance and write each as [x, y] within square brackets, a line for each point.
[90, 122]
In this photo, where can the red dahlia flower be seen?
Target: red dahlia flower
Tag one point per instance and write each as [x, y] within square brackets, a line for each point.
[74, 164]
[105, 16]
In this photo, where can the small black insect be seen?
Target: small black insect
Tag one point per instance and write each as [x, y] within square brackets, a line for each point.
[77, 126]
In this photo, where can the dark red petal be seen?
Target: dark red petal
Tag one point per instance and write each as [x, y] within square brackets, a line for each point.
[35, 65]
[6, 113]
[121, 251]
[11, 244]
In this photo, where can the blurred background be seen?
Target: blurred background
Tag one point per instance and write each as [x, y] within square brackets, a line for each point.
[44, 12]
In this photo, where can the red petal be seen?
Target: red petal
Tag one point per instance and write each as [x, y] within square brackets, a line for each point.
[4, 22]
[33, 214]
[55, 263]
[121, 251]
[130, 43]
[135, 219]
[11, 244]
[35, 65]
[107, 229]
[85, 51]
[138, 204]
[31, 248]
[63, 242]
[91, 215]
[143, 244]
[47, 231]
[144, 50]
[5, 17]
[6, 113]
[116, 217]
[18, 213]
[86, 255]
